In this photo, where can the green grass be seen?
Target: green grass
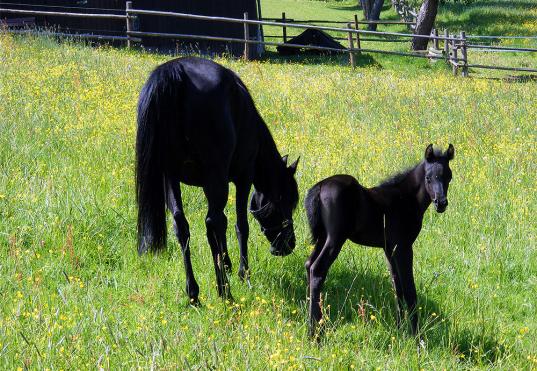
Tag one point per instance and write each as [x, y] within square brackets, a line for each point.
[75, 295]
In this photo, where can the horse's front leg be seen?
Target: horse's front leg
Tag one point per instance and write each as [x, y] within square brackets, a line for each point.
[402, 260]
[216, 191]
[242, 229]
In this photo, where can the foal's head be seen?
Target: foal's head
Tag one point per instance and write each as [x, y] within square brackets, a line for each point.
[274, 212]
[438, 175]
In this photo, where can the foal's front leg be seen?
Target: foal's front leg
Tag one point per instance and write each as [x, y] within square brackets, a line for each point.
[403, 278]
[241, 228]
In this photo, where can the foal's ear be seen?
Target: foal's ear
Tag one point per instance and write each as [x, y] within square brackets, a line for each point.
[293, 166]
[429, 153]
[284, 159]
[450, 152]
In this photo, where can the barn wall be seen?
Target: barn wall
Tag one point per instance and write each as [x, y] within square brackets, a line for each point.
[225, 8]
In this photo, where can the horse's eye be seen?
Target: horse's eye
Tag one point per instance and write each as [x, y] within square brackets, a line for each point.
[428, 179]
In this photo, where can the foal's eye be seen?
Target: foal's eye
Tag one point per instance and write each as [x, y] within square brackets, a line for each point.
[428, 179]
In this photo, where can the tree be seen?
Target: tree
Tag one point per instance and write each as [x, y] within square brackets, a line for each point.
[424, 24]
[372, 9]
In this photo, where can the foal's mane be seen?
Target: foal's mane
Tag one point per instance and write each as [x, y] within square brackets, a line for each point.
[400, 176]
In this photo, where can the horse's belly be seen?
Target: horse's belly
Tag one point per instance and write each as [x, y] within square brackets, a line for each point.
[191, 173]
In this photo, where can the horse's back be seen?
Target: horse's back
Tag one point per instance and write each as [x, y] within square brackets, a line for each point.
[213, 121]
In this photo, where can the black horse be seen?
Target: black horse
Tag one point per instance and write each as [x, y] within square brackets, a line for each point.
[389, 216]
[198, 124]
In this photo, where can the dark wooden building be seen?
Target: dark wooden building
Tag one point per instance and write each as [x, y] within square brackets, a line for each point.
[145, 23]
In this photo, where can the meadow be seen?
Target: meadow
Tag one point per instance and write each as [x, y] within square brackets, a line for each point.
[75, 295]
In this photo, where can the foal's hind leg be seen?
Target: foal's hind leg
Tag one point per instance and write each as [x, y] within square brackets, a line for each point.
[182, 232]
[216, 190]
[318, 272]
[317, 248]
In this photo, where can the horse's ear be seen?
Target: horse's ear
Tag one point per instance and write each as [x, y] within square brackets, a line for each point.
[284, 159]
[450, 152]
[429, 153]
[293, 166]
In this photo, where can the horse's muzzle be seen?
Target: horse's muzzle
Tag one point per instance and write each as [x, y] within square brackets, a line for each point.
[284, 243]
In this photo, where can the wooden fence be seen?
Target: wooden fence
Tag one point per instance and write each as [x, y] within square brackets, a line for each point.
[454, 51]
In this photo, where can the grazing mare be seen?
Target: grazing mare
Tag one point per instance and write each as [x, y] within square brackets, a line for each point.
[197, 124]
[389, 216]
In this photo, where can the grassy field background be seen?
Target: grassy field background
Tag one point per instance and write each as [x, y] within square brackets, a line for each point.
[75, 295]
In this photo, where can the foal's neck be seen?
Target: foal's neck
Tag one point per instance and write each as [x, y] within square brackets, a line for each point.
[412, 188]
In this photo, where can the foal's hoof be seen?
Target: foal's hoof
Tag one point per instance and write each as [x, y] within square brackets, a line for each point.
[194, 302]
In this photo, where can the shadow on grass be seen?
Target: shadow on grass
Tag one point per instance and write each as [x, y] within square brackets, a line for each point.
[352, 296]
[363, 60]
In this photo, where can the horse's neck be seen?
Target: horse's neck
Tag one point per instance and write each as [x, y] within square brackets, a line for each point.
[268, 167]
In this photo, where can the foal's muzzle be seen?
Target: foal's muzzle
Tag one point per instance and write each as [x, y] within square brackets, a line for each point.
[440, 205]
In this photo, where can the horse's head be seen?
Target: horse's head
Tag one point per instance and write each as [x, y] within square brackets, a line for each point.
[274, 212]
[438, 175]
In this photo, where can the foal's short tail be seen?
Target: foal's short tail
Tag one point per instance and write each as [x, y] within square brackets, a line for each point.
[156, 112]
[313, 212]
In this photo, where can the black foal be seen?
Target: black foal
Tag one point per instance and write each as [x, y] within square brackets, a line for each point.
[389, 216]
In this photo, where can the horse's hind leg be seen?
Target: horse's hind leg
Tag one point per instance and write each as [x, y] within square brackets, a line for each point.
[182, 232]
[216, 190]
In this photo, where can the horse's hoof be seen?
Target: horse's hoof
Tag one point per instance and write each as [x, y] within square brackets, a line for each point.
[244, 276]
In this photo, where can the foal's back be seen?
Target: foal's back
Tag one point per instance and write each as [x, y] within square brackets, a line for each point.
[340, 207]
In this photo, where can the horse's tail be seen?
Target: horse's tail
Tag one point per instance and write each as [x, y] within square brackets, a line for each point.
[313, 212]
[156, 112]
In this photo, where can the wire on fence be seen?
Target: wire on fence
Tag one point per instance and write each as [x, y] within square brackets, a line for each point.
[501, 48]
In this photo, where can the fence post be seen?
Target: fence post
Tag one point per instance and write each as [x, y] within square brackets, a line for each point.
[455, 59]
[446, 44]
[351, 46]
[358, 43]
[284, 29]
[464, 53]
[435, 41]
[128, 7]
[246, 38]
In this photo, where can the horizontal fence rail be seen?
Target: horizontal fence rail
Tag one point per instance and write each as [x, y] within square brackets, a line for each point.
[64, 14]
[454, 52]
[270, 23]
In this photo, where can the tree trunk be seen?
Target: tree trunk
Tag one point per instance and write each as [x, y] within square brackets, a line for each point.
[424, 24]
[366, 7]
[374, 14]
